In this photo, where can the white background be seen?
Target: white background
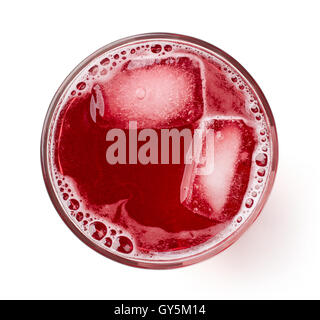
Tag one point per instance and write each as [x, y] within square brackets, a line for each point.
[276, 41]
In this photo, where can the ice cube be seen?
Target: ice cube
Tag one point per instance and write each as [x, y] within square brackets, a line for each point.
[218, 193]
[155, 92]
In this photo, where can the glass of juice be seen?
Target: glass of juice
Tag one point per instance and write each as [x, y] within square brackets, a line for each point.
[159, 150]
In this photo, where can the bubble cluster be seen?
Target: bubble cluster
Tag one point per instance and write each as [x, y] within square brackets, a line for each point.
[110, 237]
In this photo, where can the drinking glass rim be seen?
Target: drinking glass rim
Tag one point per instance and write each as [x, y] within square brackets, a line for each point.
[216, 248]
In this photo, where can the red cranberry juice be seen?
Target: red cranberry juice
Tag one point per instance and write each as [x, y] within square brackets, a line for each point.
[149, 208]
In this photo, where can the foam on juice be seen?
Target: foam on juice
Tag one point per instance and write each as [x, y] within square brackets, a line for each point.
[159, 84]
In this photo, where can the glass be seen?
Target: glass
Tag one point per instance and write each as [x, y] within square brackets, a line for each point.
[216, 244]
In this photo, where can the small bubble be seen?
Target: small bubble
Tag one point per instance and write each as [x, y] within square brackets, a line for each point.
[108, 242]
[123, 52]
[239, 219]
[73, 92]
[105, 61]
[234, 79]
[156, 48]
[254, 109]
[249, 203]
[94, 70]
[59, 182]
[97, 230]
[262, 159]
[133, 51]
[116, 56]
[65, 196]
[167, 48]
[79, 216]
[261, 172]
[81, 85]
[113, 232]
[73, 204]
[123, 245]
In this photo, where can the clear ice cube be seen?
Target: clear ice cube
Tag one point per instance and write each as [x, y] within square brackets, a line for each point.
[156, 93]
[206, 192]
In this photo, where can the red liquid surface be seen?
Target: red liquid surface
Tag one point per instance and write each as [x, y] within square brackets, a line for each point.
[145, 200]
